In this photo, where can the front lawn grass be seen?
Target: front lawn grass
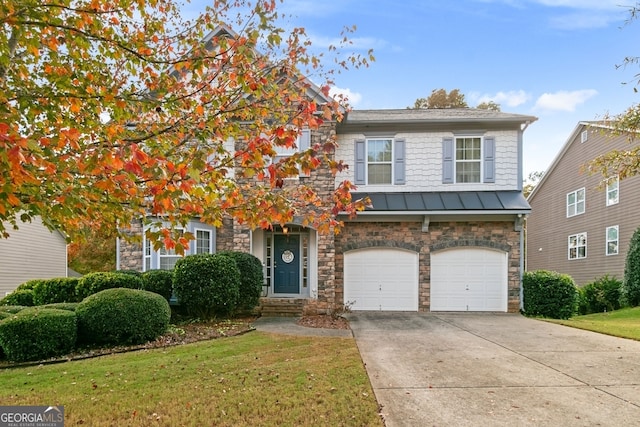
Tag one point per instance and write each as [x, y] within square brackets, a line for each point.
[624, 323]
[255, 379]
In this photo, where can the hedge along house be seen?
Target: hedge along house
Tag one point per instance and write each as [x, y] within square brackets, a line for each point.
[444, 232]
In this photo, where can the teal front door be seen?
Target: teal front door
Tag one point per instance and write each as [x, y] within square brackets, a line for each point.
[286, 266]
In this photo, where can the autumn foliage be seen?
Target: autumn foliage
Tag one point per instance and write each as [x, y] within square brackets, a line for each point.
[113, 110]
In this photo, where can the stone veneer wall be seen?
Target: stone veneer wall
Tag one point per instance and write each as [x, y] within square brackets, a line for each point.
[130, 250]
[409, 235]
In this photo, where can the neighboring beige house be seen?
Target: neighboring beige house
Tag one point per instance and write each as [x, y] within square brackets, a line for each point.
[578, 226]
[444, 232]
[32, 252]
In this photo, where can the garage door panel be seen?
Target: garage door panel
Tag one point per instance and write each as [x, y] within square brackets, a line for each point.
[469, 279]
[381, 279]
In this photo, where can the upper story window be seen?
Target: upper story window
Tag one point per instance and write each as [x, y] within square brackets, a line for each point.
[468, 159]
[584, 136]
[303, 142]
[612, 240]
[613, 186]
[578, 246]
[575, 203]
[204, 241]
[380, 161]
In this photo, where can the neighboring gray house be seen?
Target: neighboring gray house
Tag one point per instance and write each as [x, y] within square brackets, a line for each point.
[578, 226]
[444, 232]
[32, 252]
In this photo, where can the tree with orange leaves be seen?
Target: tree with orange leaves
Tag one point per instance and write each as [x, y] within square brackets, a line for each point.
[114, 110]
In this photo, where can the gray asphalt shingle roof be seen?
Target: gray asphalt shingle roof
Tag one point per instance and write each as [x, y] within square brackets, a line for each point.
[446, 201]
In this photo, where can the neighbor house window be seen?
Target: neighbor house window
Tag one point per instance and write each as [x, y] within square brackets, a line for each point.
[613, 185]
[584, 136]
[575, 203]
[612, 240]
[379, 161]
[468, 159]
[578, 246]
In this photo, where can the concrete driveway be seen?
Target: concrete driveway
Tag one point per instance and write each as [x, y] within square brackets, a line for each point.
[463, 369]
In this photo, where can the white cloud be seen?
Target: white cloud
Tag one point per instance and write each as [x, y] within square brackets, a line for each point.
[353, 98]
[564, 100]
[512, 98]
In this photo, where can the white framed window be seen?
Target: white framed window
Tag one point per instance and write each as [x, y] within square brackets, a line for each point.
[578, 246]
[468, 159]
[584, 136]
[303, 142]
[613, 190]
[379, 161]
[168, 257]
[165, 259]
[612, 240]
[204, 241]
[575, 203]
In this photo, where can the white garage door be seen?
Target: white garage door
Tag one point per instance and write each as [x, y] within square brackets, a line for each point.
[381, 279]
[469, 279]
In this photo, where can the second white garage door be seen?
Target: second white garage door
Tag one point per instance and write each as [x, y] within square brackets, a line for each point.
[469, 279]
[381, 279]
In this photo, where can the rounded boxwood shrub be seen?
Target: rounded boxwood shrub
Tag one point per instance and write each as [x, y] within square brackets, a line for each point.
[92, 283]
[29, 284]
[122, 316]
[207, 285]
[158, 281]
[12, 309]
[251, 278]
[71, 306]
[603, 294]
[549, 294]
[38, 333]
[62, 289]
[23, 297]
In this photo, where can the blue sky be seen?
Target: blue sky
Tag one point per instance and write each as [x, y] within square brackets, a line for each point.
[554, 59]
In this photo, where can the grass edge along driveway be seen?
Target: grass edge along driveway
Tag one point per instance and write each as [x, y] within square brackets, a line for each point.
[253, 379]
[623, 323]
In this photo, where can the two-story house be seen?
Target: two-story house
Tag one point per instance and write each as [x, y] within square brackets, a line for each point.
[581, 225]
[444, 232]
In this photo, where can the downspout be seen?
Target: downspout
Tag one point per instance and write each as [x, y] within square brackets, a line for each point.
[118, 253]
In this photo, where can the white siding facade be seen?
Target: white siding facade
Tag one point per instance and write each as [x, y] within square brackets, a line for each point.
[424, 162]
[32, 252]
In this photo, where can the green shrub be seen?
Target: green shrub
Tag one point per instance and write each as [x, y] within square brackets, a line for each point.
[158, 281]
[93, 283]
[4, 315]
[22, 297]
[29, 285]
[207, 285]
[12, 309]
[549, 294]
[631, 285]
[36, 333]
[70, 306]
[251, 278]
[62, 289]
[603, 294]
[122, 316]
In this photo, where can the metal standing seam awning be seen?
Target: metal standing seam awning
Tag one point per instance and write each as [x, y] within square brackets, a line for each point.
[490, 202]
